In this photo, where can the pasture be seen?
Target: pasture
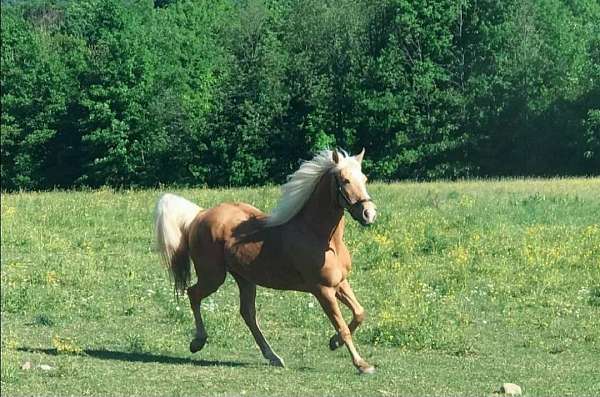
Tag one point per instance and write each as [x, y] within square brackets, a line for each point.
[476, 283]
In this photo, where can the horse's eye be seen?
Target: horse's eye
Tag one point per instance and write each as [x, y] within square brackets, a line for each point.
[346, 181]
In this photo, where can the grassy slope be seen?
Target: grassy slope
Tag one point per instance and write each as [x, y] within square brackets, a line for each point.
[467, 285]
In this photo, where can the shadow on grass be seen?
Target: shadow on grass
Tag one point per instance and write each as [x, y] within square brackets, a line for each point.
[140, 357]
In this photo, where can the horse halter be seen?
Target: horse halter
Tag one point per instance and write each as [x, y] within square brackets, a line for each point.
[349, 204]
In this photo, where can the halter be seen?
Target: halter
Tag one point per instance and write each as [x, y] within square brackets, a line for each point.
[350, 204]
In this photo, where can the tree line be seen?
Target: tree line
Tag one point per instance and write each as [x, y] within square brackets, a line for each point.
[234, 92]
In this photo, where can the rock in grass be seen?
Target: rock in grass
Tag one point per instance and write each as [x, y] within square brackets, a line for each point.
[26, 365]
[510, 389]
[45, 367]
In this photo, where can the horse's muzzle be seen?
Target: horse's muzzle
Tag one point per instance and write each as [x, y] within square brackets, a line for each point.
[364, 212]
[368, 216]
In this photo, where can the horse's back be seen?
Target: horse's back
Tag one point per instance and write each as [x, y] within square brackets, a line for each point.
[219, 223]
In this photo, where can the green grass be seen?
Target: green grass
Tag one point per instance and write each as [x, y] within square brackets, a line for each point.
[466, 286]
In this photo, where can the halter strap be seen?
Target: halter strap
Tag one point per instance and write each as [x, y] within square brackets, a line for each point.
[346, 199]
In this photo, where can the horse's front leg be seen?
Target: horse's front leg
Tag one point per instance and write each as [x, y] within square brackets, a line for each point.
[346, 296]
[327, 298]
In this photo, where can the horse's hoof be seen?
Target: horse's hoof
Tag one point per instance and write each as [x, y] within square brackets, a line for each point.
[368, 370]
[334, 342]
[277, 362]
[197, 344]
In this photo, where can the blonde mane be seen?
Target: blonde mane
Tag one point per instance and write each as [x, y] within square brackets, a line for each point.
[302, 183]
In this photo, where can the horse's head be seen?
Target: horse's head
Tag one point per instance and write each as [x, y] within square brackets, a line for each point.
[351, 190]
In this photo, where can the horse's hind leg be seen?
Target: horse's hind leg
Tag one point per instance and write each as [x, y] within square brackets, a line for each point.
[211, 275]
[248, 312]
[195, 296]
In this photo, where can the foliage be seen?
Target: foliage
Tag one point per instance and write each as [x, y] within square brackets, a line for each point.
[186, 92]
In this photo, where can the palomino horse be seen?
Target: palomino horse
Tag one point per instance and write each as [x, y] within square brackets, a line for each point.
[299, 246]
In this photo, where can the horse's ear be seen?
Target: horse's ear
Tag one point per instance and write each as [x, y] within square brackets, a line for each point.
[359, 157]
[335, 156]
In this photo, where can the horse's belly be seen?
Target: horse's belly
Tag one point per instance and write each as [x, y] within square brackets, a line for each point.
[264, 266]
[270, 276]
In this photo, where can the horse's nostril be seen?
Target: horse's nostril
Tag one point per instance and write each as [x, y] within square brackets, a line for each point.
[369, 215]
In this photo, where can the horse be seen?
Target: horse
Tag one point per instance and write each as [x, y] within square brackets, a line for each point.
[298, 246]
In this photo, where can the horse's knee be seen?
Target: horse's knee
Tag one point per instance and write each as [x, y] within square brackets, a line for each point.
[344, 334]
[359, 315]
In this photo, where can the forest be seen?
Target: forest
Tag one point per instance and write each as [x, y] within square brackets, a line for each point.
[139, 93]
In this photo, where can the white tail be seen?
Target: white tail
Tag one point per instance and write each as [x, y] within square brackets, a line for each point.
[172, 218]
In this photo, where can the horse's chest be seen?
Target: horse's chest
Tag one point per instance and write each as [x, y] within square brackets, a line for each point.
[341, 257]
[335, 268]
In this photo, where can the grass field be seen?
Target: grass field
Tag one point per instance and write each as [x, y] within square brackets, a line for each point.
[466, 285]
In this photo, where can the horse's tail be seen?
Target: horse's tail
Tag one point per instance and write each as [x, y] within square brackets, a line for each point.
[172, 218]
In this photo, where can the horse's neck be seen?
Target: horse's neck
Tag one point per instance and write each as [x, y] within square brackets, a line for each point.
[322, 214]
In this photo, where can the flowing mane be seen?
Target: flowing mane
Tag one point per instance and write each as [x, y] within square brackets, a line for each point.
[301, 184]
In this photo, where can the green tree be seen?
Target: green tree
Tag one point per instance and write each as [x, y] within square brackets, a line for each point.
[235, 92]
[35, 89]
